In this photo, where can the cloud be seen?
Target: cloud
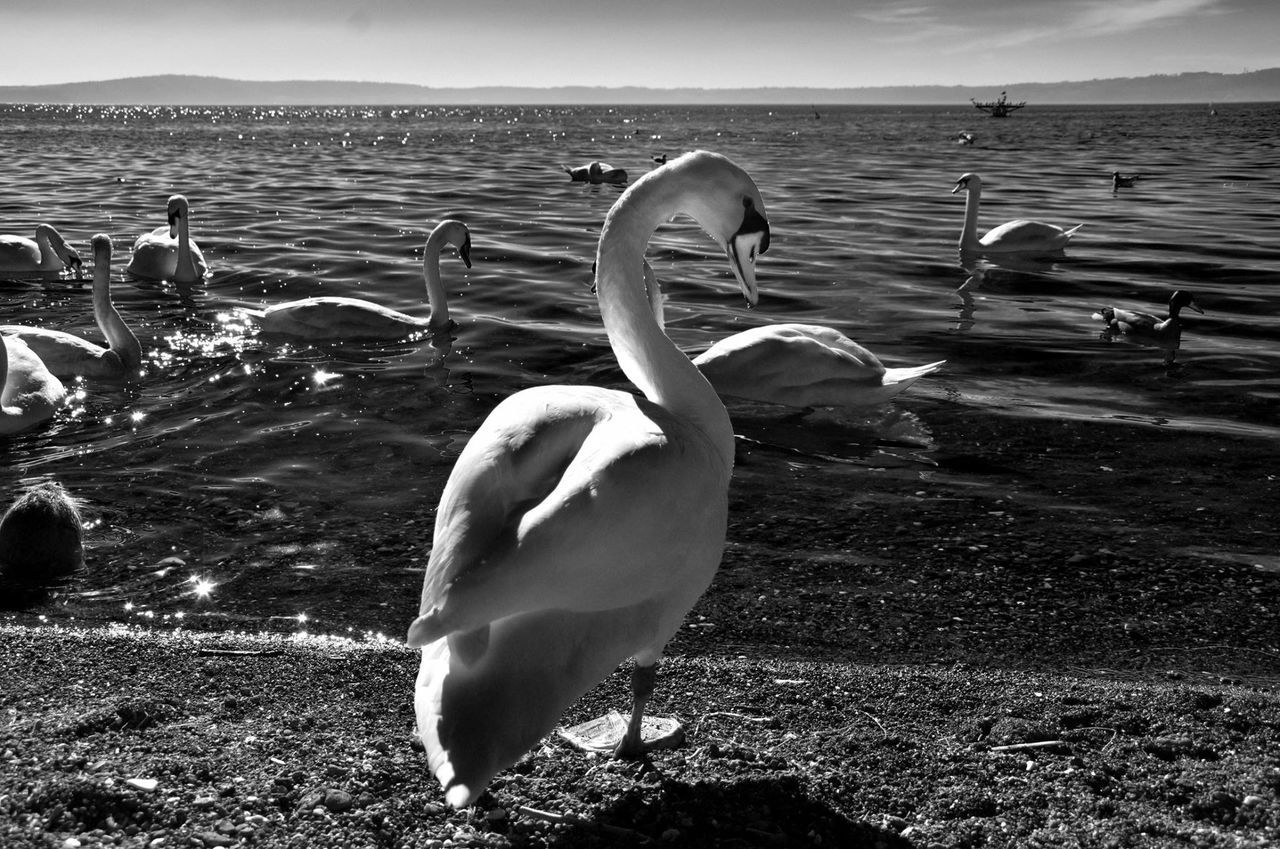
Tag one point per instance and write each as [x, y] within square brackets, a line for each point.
[1110, 16]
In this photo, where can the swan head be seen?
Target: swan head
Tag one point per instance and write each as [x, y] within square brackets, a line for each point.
[1182, 299]
[177, 208]
[456, 233]
[967, 182]
[729, 208]
[102, 252]
[69, 256]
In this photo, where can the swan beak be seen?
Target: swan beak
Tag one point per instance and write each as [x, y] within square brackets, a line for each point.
[73, 261]
[742, 251]
[173, 224]
[465, 251]
[959, 185]
[752, 238]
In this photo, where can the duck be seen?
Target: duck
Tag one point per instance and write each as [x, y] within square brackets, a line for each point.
[47, 253]
[795, 365]
[339, 318]
[168, 252]
[41, 536]
[30, 393]
[1148, 329]
[580, 524]
[1120, 182]
[1020, 235]
[68, 355]
[596, 172]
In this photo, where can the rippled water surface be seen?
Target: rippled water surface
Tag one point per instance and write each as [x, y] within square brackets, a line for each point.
[247, 463]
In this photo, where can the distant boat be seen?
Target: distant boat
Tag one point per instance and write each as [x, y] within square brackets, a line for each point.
[998, 108]
[1212, 110]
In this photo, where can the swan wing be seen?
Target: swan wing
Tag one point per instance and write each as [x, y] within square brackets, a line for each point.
[794, 364]
[550, 506]
[18, 253]
[64, 354]
[803, 365]
[335, 318]
[1023, 234]
[31, 394]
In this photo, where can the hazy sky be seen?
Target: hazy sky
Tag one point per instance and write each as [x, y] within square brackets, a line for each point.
[662, 43]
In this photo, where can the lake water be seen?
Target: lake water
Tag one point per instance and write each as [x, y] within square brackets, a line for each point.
[288, 477]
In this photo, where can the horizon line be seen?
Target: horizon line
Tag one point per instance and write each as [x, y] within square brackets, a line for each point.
[631, 85]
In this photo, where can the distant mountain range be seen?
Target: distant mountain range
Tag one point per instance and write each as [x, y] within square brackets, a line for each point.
[205, 91]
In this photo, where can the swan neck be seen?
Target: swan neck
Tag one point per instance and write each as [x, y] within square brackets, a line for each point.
[120, 338]
[49, 259]
[437, 297]
[186, 270]
[646, 356]
[969, 234]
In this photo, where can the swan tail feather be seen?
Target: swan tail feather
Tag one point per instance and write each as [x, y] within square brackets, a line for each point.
[478, 717]
[906, 376]
[1072, 231]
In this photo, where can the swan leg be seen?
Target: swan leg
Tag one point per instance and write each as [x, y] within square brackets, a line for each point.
[643, 680]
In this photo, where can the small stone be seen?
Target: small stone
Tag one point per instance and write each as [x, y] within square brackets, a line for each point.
[71, 843]
[496, 815]
[212, 838]
[147, 785]
[338, 801]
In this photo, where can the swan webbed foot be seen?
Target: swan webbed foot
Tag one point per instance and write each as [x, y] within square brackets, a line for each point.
[629, 738]
[609, 735]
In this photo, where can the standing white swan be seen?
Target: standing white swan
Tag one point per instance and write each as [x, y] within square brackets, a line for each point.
[580, 524]
[66, 354]
[798, 365]
[47, 253]
[354, 318]
[1020, 235]
[29, 394]
[168, 252]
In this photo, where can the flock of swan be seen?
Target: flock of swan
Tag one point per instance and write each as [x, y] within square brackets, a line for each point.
[580, 524]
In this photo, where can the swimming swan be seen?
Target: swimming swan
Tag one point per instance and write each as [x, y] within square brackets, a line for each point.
[803, 365]
[65, 354]
[596, 172]
[168, 252]
[354, 318]
[798, 365]
[1012, 236]
[30, 394]
[48, 252]
[1148, 329]
[580, 524]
